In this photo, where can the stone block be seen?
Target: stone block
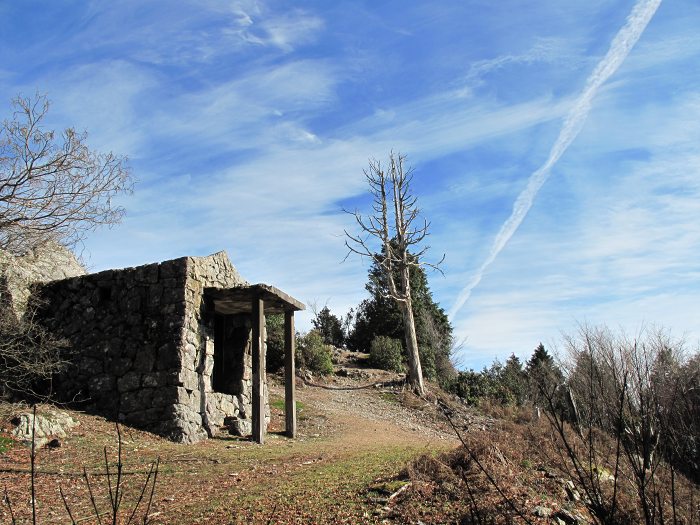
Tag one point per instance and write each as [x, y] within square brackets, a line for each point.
[129, 402]
[102, 383]
[90, 366]
[188, 379]
[138, 418]
[154, 379]
[239, 427]
[166, 396]
[119, 366]
[167, 357]
[145, 396]
[154, 296]
[88, 314]
[184, 414]
[145, 359]
[130, 381]
[182, 395]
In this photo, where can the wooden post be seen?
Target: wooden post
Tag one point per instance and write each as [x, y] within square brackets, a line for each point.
[290, 407]
[258, 320]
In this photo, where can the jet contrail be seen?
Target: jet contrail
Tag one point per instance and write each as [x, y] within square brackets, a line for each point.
[620, 47]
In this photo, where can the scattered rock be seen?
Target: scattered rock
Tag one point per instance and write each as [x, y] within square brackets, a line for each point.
[52, 423]
[542, 512]
[571, 493]
[237, 426]
[569, 518]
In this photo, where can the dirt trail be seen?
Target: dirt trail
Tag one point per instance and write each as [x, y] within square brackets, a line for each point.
[349, 441]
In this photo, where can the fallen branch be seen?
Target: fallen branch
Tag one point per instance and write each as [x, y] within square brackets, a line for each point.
[398, 492]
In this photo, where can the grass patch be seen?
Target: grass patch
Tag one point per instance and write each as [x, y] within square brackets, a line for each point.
[279, 405]
[5, 444]
[385, 488]
[391, 397]
[336, 489]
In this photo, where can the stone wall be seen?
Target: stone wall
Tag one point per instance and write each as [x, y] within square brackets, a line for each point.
[214, 408]
[142, 343]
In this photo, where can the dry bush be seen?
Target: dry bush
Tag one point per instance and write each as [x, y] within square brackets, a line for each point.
[483, 481]
[106, 504]
[29, 354]
[615, 436]
[507, 413]
[506, 474]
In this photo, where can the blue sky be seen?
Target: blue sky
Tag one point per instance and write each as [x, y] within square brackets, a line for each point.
[248, 125]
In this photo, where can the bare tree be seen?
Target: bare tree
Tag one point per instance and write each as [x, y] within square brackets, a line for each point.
[29, 354]
[53, 187]
[626, 404]
[395, 232]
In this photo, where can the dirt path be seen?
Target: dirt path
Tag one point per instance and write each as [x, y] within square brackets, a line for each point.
[350, 441]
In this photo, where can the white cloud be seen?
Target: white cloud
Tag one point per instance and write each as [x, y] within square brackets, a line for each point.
[625, 254]
[107, 98]
[291, 30]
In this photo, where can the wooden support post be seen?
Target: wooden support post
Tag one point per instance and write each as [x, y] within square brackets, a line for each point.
[258, 320]
[290, 407]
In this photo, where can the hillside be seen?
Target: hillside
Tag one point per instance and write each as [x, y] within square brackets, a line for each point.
[364, 455]
[348, 439]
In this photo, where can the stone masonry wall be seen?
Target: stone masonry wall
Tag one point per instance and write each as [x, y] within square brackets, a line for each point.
[215, 408]
[199, 404]
[142, 345]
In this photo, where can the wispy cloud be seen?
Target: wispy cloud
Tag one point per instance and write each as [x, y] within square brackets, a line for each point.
[249, 122]
[287, 31]
[619, 49]
[626, 257]
[546, 50]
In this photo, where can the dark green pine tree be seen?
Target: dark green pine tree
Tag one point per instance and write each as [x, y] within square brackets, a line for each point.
[379, 315]
[513, 380]
[330, 327]
[543, 374]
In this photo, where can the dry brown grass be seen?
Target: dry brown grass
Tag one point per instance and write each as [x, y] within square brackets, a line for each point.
[501, 476]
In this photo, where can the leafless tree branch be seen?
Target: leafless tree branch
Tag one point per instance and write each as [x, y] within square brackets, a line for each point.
[53, 186]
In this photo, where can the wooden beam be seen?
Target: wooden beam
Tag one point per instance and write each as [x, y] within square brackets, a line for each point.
[290, 405]
[258, 321]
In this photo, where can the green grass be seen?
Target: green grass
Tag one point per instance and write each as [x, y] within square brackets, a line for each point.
[5, 444]
[340, 484]
[279, 405]
[391, 397]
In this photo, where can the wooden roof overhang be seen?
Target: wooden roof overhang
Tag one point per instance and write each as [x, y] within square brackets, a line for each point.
[239, 299]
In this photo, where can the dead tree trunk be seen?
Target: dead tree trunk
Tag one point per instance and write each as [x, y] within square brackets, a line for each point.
[415, 371]
[395, 238]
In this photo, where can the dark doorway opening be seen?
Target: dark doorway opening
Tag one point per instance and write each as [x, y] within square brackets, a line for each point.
[231, 338]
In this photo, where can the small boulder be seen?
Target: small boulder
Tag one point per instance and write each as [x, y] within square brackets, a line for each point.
[52, 423]
[542, 512]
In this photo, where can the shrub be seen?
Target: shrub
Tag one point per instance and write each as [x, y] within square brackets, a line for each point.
[387, 353]
[29, 353]
[472, 386]
[629, 410]
[312, 353]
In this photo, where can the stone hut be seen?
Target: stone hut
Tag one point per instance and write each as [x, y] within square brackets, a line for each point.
[176, 348]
